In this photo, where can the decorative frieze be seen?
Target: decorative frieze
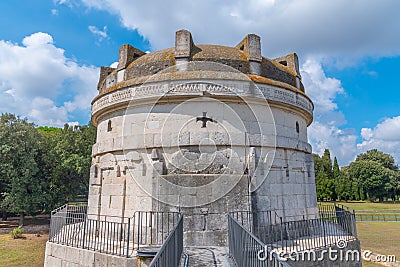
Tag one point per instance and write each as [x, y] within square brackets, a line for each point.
[241, 89]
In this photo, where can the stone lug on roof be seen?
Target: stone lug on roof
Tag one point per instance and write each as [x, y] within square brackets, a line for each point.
[251, 46]
[135, 66]
[183, 45]
[104, 72]
[127, 54]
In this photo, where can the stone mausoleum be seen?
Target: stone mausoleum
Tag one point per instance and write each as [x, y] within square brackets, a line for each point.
[202, 129]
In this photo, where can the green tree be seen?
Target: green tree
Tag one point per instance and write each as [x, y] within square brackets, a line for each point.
[384, 159]
[68, 162]
[389, 172]
[372, 177]
[48, 164]
[343, 186]
[21, 183]
[324, 179]
[327, 163]
[336, 169]
[324, 186]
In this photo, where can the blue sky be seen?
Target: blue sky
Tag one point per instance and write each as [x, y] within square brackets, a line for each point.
[50, 52]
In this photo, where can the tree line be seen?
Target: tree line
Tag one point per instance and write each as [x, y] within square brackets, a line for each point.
[42, 167]
[373, 176]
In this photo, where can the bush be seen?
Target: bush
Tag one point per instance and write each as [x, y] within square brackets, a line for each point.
[16, 232]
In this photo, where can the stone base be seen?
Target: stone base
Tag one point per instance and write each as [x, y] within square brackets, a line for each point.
[324, 260]
[64, 256]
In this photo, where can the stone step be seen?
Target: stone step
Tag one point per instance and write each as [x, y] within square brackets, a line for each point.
[208, 256]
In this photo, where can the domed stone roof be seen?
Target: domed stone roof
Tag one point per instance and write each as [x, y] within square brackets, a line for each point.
[135, 66]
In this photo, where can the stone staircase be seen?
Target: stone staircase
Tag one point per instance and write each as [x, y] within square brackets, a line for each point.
[208, 256]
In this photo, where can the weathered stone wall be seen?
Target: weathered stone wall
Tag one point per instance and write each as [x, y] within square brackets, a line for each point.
[204, 224]
[141, 150]
[65, 256]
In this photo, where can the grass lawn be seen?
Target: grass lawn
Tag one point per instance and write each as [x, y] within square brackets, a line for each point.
[370, 264]
[22, 252]
[380, 237]
[372, 206]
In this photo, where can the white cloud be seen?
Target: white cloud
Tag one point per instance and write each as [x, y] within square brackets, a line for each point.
[337, 31]
[102, 34]
[309, 27]
[329, 127]
[341, 143]
[385, 137]
[44, 112]
[54, 12]
[39, 82]
[114, 64]
[325, 131]
[323, 90]
[73, 123]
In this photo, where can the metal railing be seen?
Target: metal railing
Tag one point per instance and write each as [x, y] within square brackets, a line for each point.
[66, 221]
[335, 223]
[366, 216]
[332, 210]
[71, 225]
[152, 228]
[246, 249]
[171, 251]
[316, 233]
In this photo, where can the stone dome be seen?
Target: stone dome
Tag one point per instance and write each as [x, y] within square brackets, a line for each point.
[135, 66]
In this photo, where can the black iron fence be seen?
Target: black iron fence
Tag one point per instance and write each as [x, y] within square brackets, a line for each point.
[334, 224]
[371, 216]
[171, 251]
[71, 225]
[246, 249]
[73, 228]
[153, 228]
[317, 233]
[329, 210]
[332, 210]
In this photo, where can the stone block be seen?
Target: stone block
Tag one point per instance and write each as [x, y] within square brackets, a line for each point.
[116, 261]
[93, 204]
[158, 140]
[198, 137]
[105, 201]
[216, 238]
[72, 254]
[67, 263]
[51, 261]
[58, 250]
[113, 190]
[95, 149]
[217, 222]
[149, 140]
[254, 139]
[100, 259]
[105, 145]
[118, 143]
[117, 202]
[220, 138]
[301, 201]
[49, 247]
[191, 238]
[194, 222]
[94, 190]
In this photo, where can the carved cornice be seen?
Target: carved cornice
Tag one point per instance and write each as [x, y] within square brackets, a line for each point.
[198, 88]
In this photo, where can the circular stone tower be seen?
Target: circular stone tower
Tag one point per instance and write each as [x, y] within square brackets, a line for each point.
[205, 130]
